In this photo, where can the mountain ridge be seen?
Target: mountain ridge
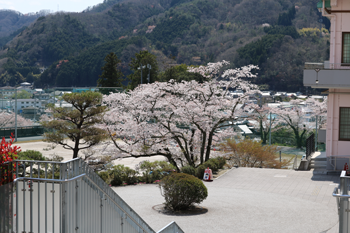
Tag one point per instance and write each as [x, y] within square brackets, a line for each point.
[193, 32]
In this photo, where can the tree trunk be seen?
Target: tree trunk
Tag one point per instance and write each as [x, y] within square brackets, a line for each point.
[76, 149]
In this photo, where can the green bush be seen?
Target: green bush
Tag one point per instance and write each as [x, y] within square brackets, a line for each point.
[212, 164]
[200, 171]
[105, 176]
[152, 171]
[222, 161]
[189, 170]
[31, 155]
[119, 175]
[181, 191]
[129, 176]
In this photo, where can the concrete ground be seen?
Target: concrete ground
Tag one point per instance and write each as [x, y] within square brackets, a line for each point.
[242, 200]
[250, 200]
[68, 154]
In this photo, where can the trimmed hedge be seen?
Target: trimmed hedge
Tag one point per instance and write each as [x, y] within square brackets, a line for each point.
[153, 171]
[181, 191]
[189, 170]
[146, 172]
[214, 164]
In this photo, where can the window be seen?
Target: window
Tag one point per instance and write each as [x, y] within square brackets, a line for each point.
[346, 48]
[344, 124]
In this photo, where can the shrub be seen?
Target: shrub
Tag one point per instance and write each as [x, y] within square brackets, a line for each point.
[129, 176]
[152, 171]
[212, 164]
[189, 170]
[222, 161]
[181, 191]
[200, 171]
[120, 174]
[105, 176]
[250, 153]
[31, 155]
[8, 153]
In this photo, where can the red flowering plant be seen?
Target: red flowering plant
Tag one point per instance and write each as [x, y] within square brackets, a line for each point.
[8, 153]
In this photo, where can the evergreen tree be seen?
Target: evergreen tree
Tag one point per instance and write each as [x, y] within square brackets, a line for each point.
[143, 59]
[78, 124]
[179, 73]
[111, 76]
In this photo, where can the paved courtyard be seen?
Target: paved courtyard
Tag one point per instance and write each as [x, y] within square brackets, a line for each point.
[242, 200]
[250, 200]
[68, 154]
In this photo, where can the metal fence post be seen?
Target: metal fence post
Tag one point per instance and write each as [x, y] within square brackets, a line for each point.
[344, 206]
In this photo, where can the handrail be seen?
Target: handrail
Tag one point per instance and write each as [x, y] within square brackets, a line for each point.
[167, 226]
[43, 161]
[48, 180]
[110, 198]
[79, 171]
[335, 194]
[78, 177]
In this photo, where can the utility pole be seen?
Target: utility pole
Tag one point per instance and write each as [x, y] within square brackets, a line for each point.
[140, 68]
[316, 137]
[270, 131]
[149, 73]
[16, 115]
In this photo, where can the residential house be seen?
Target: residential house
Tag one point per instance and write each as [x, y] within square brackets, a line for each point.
[333, 75]
[7, 91]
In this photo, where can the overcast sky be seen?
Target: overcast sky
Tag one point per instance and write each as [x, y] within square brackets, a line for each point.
[27, 6]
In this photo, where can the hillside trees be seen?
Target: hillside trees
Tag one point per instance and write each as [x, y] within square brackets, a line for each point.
[178, 120]
[184, 30]
[78, 124]
[285, 19]
[111, 76]
[86, 67]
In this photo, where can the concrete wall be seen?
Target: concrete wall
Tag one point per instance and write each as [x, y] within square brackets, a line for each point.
[339, 23]
[327, 78]
[336, 99]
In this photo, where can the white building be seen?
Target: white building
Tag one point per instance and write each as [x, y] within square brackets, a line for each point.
[25, 103]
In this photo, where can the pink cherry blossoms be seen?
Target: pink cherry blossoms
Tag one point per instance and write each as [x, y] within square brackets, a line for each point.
[181, 121]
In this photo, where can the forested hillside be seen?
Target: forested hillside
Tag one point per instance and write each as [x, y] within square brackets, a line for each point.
[12, 23]
[277, 35]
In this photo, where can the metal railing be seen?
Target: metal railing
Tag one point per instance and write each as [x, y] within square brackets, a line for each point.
[310, 145]
[22, 131]
[171, 228]
[326, 65]
[48, 196]
[337, 162]
[342, 196]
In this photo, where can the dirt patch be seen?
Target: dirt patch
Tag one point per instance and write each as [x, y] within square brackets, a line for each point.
[194, 210]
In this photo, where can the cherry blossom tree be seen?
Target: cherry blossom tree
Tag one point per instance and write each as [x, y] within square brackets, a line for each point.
[296, 117]
[8, 120]
[178, 120]
[261, 115]
[318, 108]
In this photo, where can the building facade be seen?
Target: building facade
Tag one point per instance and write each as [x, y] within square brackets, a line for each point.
[334, 75]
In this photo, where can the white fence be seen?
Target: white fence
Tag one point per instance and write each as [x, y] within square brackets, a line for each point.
[65, 197]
